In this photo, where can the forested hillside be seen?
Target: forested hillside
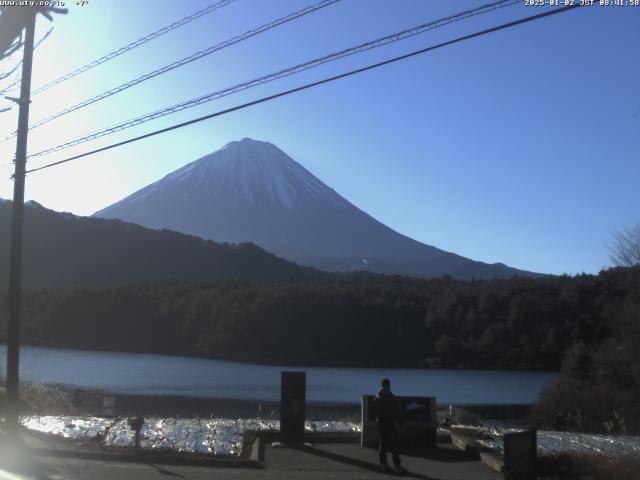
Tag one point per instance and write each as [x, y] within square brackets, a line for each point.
[62, 250]
[346, 320]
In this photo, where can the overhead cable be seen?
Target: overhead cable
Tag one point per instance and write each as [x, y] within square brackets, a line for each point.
[132, 45]
[311, 85]
[184, 61]
[18, 64]
[279, 74]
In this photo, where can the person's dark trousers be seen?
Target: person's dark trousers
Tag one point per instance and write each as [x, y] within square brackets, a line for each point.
[388, 443]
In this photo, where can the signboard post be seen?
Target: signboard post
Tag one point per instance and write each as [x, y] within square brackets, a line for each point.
[369, 433]
[419, 417]
[99, 397]
[292, 406]
[109, 405]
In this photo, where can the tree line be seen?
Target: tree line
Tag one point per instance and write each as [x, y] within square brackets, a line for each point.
[356, 319]
[599, 385]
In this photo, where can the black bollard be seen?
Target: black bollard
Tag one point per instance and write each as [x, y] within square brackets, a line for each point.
[136, 424]
[520, 455]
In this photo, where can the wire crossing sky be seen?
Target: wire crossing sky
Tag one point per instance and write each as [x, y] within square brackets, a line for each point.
[141, 41]
[311, 85]
[185, 61]
[486, 148]
[379, 42]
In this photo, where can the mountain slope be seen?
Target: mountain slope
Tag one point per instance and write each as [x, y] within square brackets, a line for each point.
[252, 191]
[62, 250]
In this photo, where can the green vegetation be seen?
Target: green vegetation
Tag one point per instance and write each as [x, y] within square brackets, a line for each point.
[599, 386]
[340, 320]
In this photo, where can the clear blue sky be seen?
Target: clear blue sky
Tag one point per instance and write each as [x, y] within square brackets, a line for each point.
[521, 147]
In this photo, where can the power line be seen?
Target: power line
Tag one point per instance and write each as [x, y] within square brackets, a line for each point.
[44, 37]
[186, 60]
[10, 86]
[10, 72]
[18, 79]
[312, 84]
[281, 74]
[132, 45]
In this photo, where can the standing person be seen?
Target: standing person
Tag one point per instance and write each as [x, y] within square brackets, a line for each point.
[388, 421]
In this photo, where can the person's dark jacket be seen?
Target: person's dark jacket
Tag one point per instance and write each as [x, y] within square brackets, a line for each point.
[387, 409]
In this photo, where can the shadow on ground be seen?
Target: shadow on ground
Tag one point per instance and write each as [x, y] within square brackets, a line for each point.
[354, 462]
[437, 454]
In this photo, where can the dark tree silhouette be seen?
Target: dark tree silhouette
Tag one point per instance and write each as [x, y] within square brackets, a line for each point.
[360, 319]
[625, 251]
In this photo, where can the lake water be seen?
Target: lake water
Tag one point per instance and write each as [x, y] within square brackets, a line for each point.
[142, 374]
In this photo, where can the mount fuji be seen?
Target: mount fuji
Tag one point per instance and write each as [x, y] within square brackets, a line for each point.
[252, 191]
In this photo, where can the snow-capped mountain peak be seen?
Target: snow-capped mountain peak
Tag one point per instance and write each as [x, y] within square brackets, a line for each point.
[249, 170]
[251, 190]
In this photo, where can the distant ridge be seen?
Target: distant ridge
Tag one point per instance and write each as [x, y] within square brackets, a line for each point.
[252, 191]
[62, 250]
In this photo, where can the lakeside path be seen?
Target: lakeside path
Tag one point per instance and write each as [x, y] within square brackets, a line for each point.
[322, 461]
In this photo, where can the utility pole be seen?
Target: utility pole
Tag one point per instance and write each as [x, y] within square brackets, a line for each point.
[17, 220]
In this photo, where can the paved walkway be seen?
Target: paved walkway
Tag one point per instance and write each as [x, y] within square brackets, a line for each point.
[322, 461]
[350, 461]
